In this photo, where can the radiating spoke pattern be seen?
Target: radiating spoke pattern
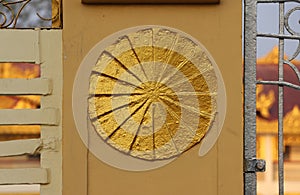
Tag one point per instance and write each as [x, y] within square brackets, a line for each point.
[152, 93]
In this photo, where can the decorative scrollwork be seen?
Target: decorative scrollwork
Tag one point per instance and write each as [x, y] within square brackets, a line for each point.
[296, 53]
[295, 69]
[12, 11]
[291, 30]
[11, 17]
[286, 20]
[55, 12]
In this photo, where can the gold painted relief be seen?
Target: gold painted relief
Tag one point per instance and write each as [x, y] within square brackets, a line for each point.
[152, 94]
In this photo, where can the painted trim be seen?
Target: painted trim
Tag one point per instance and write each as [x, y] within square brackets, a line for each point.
[150, 1]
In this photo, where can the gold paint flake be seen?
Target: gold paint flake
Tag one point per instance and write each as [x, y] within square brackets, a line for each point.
[153, 94]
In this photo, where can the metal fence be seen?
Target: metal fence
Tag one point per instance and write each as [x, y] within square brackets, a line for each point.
[285, 32]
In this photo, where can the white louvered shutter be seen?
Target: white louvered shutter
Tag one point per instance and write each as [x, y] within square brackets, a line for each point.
[42, 47]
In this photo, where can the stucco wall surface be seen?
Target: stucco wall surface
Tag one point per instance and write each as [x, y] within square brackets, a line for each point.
[218, 28]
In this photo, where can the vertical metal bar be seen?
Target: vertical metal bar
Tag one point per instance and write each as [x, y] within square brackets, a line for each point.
[250, 92]
[280, 101]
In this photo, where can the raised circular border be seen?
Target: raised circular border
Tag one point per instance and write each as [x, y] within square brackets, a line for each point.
[96, 144]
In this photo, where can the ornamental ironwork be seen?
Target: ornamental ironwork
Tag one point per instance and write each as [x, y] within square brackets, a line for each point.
[287, 12]
[30, 14]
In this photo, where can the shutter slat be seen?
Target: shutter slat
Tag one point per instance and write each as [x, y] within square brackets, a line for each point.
[47, 116]
[24, 176]
[19, 147]
[25, 86]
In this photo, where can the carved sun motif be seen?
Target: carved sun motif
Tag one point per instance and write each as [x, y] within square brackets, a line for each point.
[152, 93]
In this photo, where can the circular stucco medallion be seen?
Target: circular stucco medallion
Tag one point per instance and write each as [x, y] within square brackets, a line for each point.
[145, 95]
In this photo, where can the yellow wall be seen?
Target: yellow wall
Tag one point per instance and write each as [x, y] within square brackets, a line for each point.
[218, 28]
